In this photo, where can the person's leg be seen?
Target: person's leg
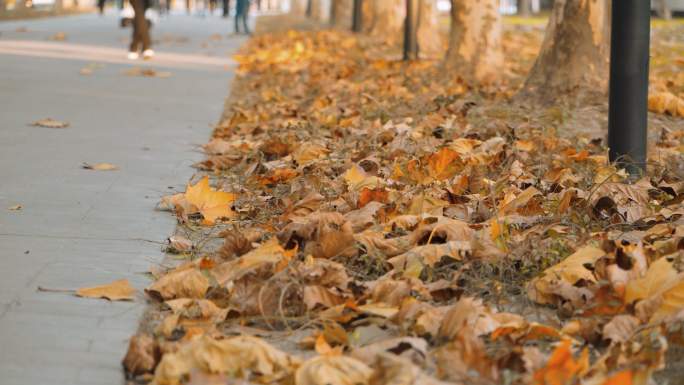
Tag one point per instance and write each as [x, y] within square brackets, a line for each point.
[101, 5]
[238, 12]
[245, 15]
[226, 7]
[141, 33]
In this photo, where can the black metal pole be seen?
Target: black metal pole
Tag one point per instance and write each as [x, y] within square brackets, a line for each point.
[629, 59]
[357, 16]
[410, 31]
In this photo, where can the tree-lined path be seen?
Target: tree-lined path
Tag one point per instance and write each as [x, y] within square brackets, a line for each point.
[80, 227]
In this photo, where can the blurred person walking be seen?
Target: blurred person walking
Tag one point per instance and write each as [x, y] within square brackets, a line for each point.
[226, 8]
[141, 31]
[242, 12]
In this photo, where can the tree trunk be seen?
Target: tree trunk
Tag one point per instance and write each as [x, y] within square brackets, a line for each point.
[320, 10]
[430, 44]
[299, 7]
[475, 40]
[663, 9]
[525, 8]
[387, 19]
[342, 13]
[575, 51]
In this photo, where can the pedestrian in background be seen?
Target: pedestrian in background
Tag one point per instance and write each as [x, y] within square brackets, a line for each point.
[242, 12]
[101, 6]
[141, 31]
[226, 8]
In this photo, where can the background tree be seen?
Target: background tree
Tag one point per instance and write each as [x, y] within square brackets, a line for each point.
[475, 40]
[320, 10]
[663, 9]
[430, 43]
[385, 19]
[575, 51]
[298, 7]
[342, 13]
[524, 7]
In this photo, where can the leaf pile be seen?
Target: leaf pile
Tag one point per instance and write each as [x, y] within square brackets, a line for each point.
[379, 226]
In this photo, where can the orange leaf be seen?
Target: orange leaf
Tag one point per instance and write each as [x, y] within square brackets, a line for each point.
[620, 378]
[562, 368]
[444, 164]
[368, 195]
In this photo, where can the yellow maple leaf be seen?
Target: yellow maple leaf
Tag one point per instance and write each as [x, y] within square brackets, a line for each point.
[211, 204]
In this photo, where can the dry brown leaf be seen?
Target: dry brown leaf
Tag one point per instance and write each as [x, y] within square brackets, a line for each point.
[666, 103]
[59, 36]
[324, 235]
[218, 146]
[467, 314]
[142, 355]
[200, 309]
[564, 275]
[120, 290]
[621, 328]
[309, 152]
[267, 255]
[412, 263]
[184, 282]
[15, 208]
[179, 244]
[319, 295]
[242, 357]
[99, 166]
[338, 370]
[50, 123]
[147, 72]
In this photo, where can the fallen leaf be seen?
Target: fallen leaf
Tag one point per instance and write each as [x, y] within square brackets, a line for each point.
[659, 277]
[142, 355]
[333, 369]
[147, 72]
[179, 244]
[562, 367]
[50, 123]
[15, 208]
[99, 166]
[212, 204]
[247, 357]
[184, 282]
[119, 290]
[59, 36]
[569, 271]
[621, 328]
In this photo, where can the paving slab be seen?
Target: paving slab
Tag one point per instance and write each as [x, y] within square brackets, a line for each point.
[80, 227]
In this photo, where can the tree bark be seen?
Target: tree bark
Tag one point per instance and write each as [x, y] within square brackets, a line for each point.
[525, 8]
[575, 51]
[475, 40]
[430, 45]
[663, 10]
[342, 13]
[320, 10]
[299, 7]
[387, 19]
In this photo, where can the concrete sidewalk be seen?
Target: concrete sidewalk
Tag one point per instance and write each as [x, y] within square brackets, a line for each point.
[80, 227]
